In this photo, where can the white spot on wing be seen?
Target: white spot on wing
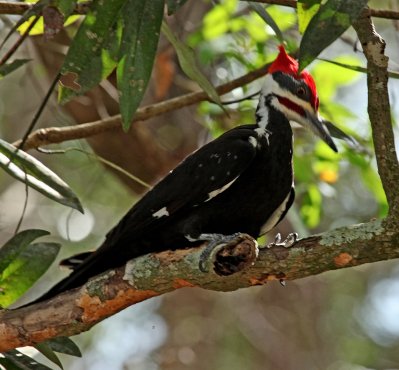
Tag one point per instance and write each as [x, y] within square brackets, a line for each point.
[213, 193]
[273, 219]
[161, 213]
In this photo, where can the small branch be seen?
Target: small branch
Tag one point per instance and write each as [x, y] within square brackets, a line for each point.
[380, 111]
[7, 7]
[19, 42]
[54, 135]
[78, 310]
[82, 8]
[378, 13]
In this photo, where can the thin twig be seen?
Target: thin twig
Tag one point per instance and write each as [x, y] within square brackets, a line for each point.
[19, 42]
[100, 159]
[378, 13]
[16, 8]
[53, 135]
[39, 111]
[21, 218]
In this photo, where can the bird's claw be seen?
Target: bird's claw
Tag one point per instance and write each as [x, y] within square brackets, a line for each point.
[216, 243]
[289, 241]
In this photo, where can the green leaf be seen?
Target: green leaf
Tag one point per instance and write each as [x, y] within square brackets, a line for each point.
[46, 351]
[91, 56]
[7, 68]
[8, 364]
[141, 28]
[23, 271]
[66, 7]
[17, 244]
[306, 9]
[394, 75]
[332, 19]
[267, 19]
[15, 360]
[174, 5]
[311, 209]
[35, 174]
[64, 345]
[189, 65]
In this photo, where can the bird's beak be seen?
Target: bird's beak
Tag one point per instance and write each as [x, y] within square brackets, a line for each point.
[315, 123]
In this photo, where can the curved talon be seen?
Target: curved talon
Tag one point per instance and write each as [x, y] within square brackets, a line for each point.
[288, 242]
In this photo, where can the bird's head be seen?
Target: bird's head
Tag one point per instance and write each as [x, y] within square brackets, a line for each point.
[294, 94]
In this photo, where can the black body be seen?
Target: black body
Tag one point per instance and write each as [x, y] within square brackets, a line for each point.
[255, 160]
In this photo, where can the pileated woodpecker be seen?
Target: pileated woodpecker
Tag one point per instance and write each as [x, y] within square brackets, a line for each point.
[240, 182]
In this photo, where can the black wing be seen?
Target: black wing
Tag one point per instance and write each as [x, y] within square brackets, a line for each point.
[198, 178]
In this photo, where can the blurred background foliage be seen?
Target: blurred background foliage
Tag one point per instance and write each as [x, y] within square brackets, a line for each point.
[346, 319]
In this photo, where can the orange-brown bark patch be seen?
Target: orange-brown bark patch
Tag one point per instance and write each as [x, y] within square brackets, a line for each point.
[264, 278]
[168, 257]
[181, 283]
[342, 259]
[94, 309]
[8, 338]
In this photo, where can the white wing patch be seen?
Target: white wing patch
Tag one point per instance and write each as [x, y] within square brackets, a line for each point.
[216, 192]
[161, 213]
[273, 219]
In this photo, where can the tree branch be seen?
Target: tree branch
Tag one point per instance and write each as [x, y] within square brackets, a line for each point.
[7, 7]
[82, 8]
[78, 310]
[54, 135]
[380, 111]
[378, 13]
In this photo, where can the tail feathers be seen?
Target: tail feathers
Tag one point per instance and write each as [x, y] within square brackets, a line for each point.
[75, 261]
[94, 264]
[86, 265]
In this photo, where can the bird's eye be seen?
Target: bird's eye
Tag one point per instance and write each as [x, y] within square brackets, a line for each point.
[301, 91]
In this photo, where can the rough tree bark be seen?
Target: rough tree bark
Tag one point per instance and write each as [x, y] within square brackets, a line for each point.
[151, 275]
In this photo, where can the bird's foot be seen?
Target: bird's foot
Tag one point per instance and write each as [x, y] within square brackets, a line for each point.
[289, 241]
[216, 242]
[226, 254]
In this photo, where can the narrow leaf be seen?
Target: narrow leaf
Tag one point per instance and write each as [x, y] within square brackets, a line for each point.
[64, 345]
[35, 174]
[21, 361]
[141, 28]
[17, 244]
[91, 57]
[25, 270]
[7, 68]
[306, 9]
[189, 65]
[66, 7]
[8, 364]
[262, 12]
[391, 74]
[174, 5]
[332, 19]
[46, 351]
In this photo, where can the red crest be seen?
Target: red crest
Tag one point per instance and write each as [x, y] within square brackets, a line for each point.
[286, 64]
